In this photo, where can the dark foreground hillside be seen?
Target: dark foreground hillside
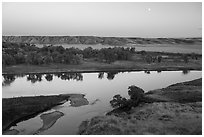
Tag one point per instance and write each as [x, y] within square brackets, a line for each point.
[179, 112]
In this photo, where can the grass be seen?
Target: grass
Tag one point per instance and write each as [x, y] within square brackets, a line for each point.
[190, 91]
[94, 66]
[181, 114]
[186, 92]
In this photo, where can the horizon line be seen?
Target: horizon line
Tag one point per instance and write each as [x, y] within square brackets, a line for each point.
[92, 36]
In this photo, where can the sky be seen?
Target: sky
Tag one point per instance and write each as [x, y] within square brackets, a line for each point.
[124, 19]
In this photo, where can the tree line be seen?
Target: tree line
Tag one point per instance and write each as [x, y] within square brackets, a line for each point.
[23, 53]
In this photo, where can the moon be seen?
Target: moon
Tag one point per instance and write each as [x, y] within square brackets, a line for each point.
[149, 9]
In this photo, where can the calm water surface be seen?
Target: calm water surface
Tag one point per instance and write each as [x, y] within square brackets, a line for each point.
[97, 87]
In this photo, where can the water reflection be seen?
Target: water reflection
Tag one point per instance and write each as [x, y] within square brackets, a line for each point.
[51, 118]
[185, 72]
[49, 77]
[33, 78]
[159, 71]
[8, 79]
[71, 76]
[147, 72]
[97, 89]
[101, 75]
[111, 75]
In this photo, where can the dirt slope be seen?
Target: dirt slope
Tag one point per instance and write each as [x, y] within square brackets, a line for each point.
[97, 40]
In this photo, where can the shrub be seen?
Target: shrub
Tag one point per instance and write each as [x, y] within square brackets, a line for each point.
[148, 59]
[8, 59]
[185, 58]
[136, 95]
[118, 101]
[159, 58]
[142, 52]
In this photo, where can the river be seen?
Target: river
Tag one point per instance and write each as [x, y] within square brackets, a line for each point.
[99, 88]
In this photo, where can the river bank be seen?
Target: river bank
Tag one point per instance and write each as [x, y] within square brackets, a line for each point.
[179, 111]
[18, 109]
[94, 66]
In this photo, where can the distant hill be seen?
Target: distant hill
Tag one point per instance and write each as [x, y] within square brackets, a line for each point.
[97, 40]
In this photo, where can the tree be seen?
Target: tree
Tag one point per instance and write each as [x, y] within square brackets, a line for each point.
[136, 96]
[110, 56]
[60, 49]
[148, 58]
[8, 59]
[194, 56]
[76, 59]
[185, 58]
[47, 60]
[44, 49]
[57, 57]
[135, 92]
[143, 52]
[132, 50]
[118, 101]
[11, 51]
[30, 57]
[88, 52]
[14, 53]
[20, 58]
[159, 58]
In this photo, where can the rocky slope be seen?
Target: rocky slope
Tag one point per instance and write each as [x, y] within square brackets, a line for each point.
[179, 112]
[97, 40]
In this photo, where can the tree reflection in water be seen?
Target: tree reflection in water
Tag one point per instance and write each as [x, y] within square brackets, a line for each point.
[71, 76]
[159, 71]
[185, 71]
[111, 75]
[34, 78]
[101, 75]
[8, 79]
[147, 72]
[49, 77]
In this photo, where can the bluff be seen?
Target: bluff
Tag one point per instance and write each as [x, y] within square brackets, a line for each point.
[97, 40]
